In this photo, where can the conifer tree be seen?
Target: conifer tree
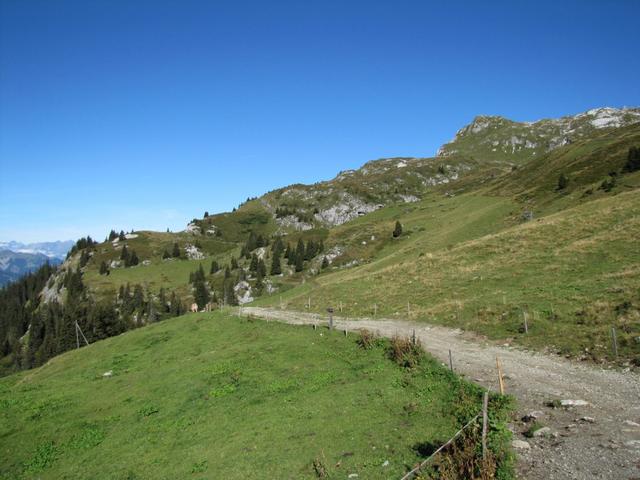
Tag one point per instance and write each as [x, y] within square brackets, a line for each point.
[124, 256]
[276, 268]
[633, 160]
[133, 260]
[261, 269]
[234, 263]
[325, 263]
[104, 270]
[121, 236]
[299, 261]
[166, 255]
[214, 267]
[397, 231]
[176, 250]
[227, 272]
[201, 294]
[563, 181]
[253, 266]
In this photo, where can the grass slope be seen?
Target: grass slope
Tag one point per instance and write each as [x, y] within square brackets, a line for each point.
[465, 263]
[214, 396]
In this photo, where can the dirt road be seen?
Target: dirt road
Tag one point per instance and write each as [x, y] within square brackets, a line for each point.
[598, 440]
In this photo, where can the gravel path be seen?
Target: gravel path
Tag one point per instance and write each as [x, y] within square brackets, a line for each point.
[598, 440]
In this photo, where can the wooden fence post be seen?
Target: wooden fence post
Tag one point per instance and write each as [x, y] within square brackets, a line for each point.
[500, 380]
[413, 337]
[450, 361]
[614, 341]
[485, 417]
[526, 324]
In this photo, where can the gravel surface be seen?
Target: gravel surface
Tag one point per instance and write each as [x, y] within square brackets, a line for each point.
[597, 440]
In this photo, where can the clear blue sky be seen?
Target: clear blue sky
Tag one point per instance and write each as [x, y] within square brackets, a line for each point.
[144, 114]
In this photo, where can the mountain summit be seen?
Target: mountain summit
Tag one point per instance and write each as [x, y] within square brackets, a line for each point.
[496, 137]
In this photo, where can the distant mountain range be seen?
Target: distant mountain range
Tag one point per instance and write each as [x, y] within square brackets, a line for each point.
[18, 259]
[56, 249]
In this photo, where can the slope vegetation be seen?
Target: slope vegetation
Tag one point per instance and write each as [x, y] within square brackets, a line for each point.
[215, 396]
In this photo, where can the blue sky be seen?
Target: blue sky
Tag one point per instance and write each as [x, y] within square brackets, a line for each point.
[144, 114]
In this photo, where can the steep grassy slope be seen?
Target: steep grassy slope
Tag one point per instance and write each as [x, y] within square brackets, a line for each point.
[575, 273]
[214, 396]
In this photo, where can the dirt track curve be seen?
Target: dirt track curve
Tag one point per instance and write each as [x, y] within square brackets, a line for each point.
[600, 440]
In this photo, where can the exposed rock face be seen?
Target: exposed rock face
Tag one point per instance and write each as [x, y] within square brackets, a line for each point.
[291, 221]
[348, 208]
[192, 228]
[242, 291]
[193, 253]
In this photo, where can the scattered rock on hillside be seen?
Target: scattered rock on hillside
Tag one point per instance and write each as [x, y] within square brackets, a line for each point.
[193, 253]
[242, 291]
[542, 432]
[192, 228]
[520, 445]
[573, 403]
[291, 221]
[346, 209]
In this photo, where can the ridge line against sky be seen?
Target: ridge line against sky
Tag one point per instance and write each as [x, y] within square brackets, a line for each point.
[144, 114]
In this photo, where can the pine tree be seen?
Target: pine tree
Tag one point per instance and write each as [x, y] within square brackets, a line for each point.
[166, 255]
[633, 160]
[133, 260]
[397, 231]
[276, 268]
[563, 181]
[121, 236]
[325, 263]
[112, 235]
[227, 272]
[138, 298]
[124, 256]
[253, 266]
[201, 294]
[214, 267]
[252, 242]
[104, 270]
[200, 273]
[299, 261]
[300, 249]
[234, 263]
[261, 269]
[176, 250]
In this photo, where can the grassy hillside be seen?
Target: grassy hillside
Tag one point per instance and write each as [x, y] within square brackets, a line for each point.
[574, 273]
[215, 396]
[485, 243]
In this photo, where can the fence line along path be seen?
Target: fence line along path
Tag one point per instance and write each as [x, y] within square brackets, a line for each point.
[607, 448]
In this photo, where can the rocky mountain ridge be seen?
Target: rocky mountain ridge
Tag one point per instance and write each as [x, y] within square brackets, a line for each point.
[495, 137]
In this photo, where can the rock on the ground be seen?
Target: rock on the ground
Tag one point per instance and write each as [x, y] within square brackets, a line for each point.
[534, 415]
[520, 445]
[542, 432]
[193, 252]
[587, 419]
[573, 403]
[108, 374]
